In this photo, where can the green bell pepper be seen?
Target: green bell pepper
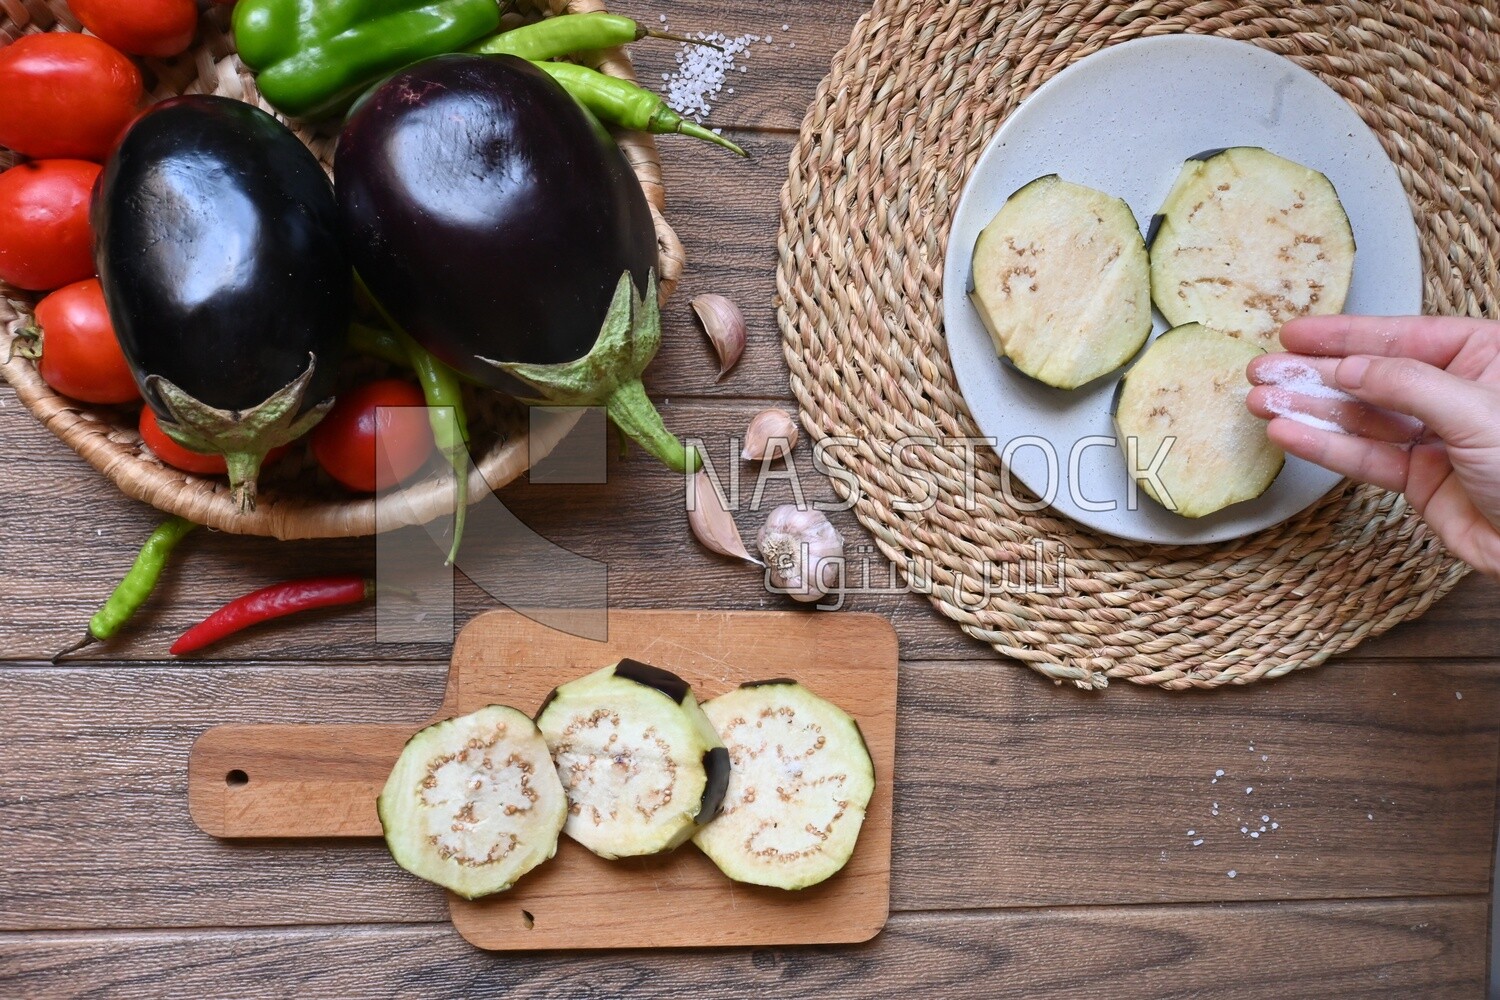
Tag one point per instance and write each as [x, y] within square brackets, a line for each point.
[313, 57]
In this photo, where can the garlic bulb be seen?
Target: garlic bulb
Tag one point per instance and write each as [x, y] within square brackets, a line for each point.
[804, 552]
[766, 428]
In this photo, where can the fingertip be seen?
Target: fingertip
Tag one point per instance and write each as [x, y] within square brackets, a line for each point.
[1252, 370]
[1311, 334]
[1351, 371]
[1258, 400]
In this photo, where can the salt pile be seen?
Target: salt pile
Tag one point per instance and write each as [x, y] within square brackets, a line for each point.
[701, 71]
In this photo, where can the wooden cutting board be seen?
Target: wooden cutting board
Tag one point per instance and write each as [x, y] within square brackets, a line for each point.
[322, 781]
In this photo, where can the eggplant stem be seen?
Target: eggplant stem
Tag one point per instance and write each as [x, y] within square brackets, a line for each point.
[244, 467]
[632, 411]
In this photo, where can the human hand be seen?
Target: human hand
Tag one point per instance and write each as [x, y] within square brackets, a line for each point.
[1410, 404]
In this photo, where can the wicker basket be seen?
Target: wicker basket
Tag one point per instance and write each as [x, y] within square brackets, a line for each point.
[296, 500]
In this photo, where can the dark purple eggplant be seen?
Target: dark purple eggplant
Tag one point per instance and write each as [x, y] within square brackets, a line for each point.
[498, 223]
[216, 239]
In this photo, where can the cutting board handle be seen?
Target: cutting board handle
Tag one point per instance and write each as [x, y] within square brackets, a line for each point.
[292, 781]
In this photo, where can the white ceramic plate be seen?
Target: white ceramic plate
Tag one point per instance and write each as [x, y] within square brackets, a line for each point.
[1123, 120]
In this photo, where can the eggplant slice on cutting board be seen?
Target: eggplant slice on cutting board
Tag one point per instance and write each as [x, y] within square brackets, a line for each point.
[1187, 393]
[474, 803]
[1248, 240]
[641, 764]
[1062, 283]
[800, 780]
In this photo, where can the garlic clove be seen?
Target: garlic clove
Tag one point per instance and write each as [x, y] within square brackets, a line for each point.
[712, 523]
[804, 553]
[725, 326]
[770, 431]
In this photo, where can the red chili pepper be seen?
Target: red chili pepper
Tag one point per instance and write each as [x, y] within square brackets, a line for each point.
[274, 602]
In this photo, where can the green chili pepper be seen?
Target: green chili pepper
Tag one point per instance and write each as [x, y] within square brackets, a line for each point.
[443, 391]
[554, 37]
[620, 102]
[312, 57]
[132, 591]
[377, 343]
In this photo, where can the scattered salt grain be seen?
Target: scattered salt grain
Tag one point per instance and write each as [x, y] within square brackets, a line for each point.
[1249, 789]
[1263, 757]
[1232, 873]
[1219, 773]
[1459, 695]
[1265, 819]
[1192, 832]
[1254, 834]
[701, 70]
[1198, 842]
[786, 27]
[1369, 815]
[1244, 829]
[1276, 826]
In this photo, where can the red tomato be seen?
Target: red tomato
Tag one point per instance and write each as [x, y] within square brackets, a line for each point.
[159, 28]
[80, 356]
[45, 239]
[175, 455]
[390, 410]
[63, 94]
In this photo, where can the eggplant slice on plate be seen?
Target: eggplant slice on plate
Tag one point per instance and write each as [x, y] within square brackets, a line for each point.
[1248, 240]
[641, 764]
[474, 803]
[1062, 283]
[800, 780]
[1187, 394]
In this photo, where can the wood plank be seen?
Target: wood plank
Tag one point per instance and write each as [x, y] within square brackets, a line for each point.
[1364, 950]
[1380, 780]
[68, 535]
[79, 536]
[1009, 793]
[309, 780]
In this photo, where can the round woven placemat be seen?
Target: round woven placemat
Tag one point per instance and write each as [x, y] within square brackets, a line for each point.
[295, 500]
[883, 154]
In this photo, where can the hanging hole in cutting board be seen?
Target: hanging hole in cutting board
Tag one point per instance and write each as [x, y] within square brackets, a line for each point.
[528, 919]
[236, 778]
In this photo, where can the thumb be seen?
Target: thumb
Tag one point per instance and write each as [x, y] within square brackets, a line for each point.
[1456, 409]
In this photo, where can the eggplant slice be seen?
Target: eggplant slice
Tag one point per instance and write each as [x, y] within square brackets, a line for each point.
[474, 803]
[1062, 283]
[1187, 393]
[639, 761]
[1248, 240]
[799, 782]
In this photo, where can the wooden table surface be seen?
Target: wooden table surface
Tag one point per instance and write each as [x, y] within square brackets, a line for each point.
[1045, 839]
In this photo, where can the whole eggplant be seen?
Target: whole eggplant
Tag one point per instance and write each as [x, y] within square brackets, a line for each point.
[217, 242]
[498, 223]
